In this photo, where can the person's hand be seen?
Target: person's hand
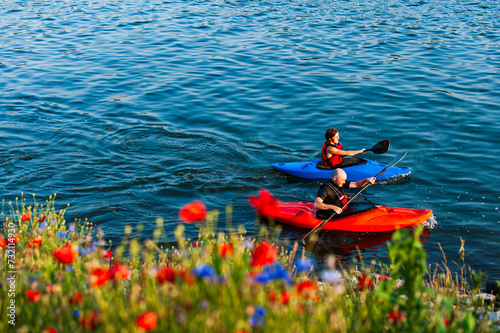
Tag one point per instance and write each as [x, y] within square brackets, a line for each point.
[363, 151]
[371, 180]
[337, 209]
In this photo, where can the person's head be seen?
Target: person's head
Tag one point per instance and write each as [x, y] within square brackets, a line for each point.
[332, 135]
[339, 177]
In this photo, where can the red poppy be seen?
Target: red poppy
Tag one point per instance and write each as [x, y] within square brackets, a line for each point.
[226, 250]
[165, 274]
[65, 255]
[306, 289]
[76, 299]
[37, 241]
[264, 254]
[285, 297]
[50, 288]
[41, 219]
[49, 330]
[395, 317]
[365, 283]
[107, 254]
[265, 203]
[33, 295]
[196, 243]
[119, 272]
[187, 277]
[147, 321]
[91, 320]
[193, 212]
[25, 217]
[382, 277]
[2, 241]
[99, 277]
[272, 296]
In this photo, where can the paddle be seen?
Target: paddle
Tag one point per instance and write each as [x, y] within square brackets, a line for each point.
[320, 226]
[381, 147]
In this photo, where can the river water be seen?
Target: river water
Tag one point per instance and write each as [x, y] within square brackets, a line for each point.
[130, 109]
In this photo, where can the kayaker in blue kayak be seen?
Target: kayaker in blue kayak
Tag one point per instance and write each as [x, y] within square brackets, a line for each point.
[331, 196]
[332, 153]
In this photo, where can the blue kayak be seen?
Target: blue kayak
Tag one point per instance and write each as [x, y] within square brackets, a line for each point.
[356, 169]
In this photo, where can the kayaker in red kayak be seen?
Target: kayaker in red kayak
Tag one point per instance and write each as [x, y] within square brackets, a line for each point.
[332, 153]
[331, 196]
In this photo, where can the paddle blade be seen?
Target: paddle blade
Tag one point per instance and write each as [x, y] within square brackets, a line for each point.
[381, 147]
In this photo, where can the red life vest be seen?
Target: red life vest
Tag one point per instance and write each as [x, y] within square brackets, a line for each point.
[335, 159]
[344, 200]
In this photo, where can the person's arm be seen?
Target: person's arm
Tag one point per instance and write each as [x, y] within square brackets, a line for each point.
[362, 182]
[319, 204]
[335, 151]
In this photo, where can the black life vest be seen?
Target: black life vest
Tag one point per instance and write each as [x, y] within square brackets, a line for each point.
[335, 159]
[338, 199]
[340, 194]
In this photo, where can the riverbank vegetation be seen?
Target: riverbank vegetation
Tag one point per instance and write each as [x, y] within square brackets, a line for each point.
[64, 277]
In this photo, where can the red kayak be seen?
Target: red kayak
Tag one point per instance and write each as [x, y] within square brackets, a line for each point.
[358, 217]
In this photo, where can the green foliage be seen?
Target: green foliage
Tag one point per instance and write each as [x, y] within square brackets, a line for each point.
[375, 298]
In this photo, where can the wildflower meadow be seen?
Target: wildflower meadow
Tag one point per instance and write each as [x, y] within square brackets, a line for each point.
[65, 277]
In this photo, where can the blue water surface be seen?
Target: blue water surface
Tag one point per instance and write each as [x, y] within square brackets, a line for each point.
[130, 109]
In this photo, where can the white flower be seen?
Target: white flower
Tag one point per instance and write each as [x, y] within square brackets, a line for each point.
[332, 276]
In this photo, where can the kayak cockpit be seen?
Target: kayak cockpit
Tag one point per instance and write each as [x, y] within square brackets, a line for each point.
[353, 209]
[346, 162]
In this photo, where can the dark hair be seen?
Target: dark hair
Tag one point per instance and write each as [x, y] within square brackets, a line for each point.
[330, 133]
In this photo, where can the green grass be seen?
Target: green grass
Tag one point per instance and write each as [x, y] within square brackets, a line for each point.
[225, 295]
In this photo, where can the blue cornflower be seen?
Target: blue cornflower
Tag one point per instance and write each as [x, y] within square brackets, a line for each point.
[204, 304]
[257, 319]
[84, 251]
[61, 234]
[206, 272]
[273, 272]
[42, 226]
[263, 278]
[304, 265]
